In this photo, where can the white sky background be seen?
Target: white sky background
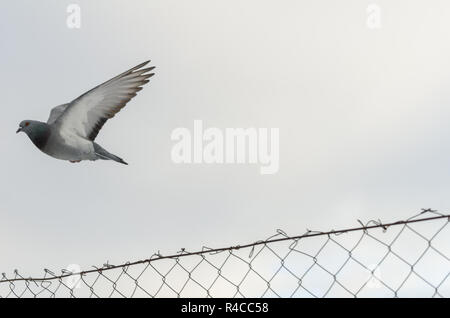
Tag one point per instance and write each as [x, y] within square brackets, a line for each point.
[363, 117]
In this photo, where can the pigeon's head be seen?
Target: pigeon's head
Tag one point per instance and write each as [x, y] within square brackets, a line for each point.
[38, 132]
[27, 126]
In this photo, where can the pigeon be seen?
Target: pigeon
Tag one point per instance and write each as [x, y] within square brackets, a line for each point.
[71, 129]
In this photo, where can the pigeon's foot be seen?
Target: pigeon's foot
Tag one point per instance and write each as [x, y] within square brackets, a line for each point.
[75, 161]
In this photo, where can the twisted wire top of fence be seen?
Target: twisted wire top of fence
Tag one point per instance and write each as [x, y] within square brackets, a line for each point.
[412, 261]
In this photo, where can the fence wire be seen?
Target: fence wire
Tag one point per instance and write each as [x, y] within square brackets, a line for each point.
[408, 258]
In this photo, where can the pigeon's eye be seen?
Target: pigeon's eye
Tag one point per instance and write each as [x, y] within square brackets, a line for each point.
[27, 124]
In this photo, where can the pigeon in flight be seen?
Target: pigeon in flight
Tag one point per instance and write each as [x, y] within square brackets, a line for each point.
[71, 129]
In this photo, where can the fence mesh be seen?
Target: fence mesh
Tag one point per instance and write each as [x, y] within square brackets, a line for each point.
[408, 258]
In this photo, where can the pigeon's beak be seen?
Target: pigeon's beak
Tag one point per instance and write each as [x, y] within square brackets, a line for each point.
[19, 130]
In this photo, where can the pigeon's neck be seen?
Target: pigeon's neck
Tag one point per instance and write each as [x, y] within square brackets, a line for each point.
[40, 134]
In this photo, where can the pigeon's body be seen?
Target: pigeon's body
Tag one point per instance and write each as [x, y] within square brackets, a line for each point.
[71, 129]
[66, 146]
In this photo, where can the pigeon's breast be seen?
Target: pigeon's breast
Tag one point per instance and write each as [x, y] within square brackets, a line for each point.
[41, 140]
[40, 136]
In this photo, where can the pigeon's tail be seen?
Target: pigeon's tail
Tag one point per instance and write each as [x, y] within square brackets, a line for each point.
[105, 155]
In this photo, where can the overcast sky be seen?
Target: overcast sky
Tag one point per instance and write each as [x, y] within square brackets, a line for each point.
[363, 117]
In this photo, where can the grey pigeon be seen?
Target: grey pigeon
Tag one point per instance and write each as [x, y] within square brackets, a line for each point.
[71, 129]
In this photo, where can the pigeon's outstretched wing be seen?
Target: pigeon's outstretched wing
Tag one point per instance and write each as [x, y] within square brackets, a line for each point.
[56, 113]
[87, 114]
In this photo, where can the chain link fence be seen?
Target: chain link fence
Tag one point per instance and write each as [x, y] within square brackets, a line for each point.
[408, 258]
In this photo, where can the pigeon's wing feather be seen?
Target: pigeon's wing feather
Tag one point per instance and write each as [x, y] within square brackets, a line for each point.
[87, 114]
[56, 112]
